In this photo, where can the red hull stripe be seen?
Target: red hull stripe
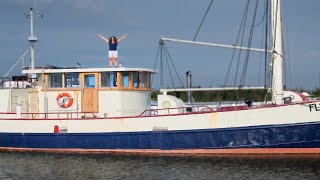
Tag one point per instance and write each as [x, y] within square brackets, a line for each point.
[190, 152]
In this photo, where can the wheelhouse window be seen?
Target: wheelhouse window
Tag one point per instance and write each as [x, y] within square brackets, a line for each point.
[71, 80]
[143, 80]
[55, 80]
[89, 80]
[149, 80]
[125, 79]
[105, 79]
[135, 79]
[109, 79]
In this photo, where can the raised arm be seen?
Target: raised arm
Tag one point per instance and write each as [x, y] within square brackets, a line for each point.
[105, 39]
[122, 37]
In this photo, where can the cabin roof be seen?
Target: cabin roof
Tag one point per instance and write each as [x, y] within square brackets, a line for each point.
[78, 70]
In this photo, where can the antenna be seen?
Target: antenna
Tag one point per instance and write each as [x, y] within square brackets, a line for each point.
[32, 40]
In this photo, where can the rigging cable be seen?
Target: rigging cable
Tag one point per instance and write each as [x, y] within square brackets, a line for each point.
[260, 54]
[241, 43]
[234, 50]
[174, 67]
[204, 17]
[161, 64]
[262, 42]
[152, 77]
[284, 58]
[243, 21]
[266, 45]
[287, 42]
[262, 19]
[245, 67]
[169, 69]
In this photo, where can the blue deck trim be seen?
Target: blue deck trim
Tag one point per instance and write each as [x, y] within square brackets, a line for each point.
[301, 135]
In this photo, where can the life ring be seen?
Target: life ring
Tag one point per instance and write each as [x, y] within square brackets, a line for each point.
[64, 100]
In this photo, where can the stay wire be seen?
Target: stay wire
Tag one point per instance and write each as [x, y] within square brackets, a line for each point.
[161, 64]
[174, 67]
[169, 69]
[204, 17]
[234, 52]
[245, 67]
[266, 45]
[240, 52]
[241, 43]
[266, 54]
[152, 77]
[287, 42]
[260, 55]
[262, 19]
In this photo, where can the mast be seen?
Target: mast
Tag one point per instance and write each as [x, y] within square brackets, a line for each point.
[277, 91]
[32, 39]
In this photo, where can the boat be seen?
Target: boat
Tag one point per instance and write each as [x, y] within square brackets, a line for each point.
[107, 110]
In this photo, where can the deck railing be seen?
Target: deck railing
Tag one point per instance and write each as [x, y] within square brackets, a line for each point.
[7, 83]
[51, 115]
[177, 110]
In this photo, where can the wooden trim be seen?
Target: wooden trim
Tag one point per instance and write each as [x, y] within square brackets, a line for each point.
[119, 80]
[140, 80]
[131, 80]
[146, 80]
[44, 80]
[63, 83]
[63, 89]
[98, 75]
[81, 80]
[99, 79]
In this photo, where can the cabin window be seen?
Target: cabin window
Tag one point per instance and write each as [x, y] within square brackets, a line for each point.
[109, 79]
[55, 80]
[149, 80]
[143, 80]
[89, 80]
[105, 79]
[125, 79]
[71, 80]
[136, 79]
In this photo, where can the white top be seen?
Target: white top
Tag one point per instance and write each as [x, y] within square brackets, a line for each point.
[40, 71]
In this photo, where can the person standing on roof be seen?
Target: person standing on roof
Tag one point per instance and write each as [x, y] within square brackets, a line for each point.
[113, 43]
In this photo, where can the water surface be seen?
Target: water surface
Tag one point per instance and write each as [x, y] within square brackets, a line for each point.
[19, 165]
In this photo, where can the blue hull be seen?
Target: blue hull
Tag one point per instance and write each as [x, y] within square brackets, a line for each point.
[305, 135]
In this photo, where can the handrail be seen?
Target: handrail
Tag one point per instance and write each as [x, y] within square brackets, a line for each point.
[59, 115]
[197, 108]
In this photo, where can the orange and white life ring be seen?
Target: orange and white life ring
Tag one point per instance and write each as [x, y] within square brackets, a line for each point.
[64, 100]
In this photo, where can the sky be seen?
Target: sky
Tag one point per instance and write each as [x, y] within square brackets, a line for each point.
[68, 34]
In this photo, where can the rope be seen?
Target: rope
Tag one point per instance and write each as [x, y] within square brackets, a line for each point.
[204, 17]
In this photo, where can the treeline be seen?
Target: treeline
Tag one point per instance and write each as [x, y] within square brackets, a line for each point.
[227, 95]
